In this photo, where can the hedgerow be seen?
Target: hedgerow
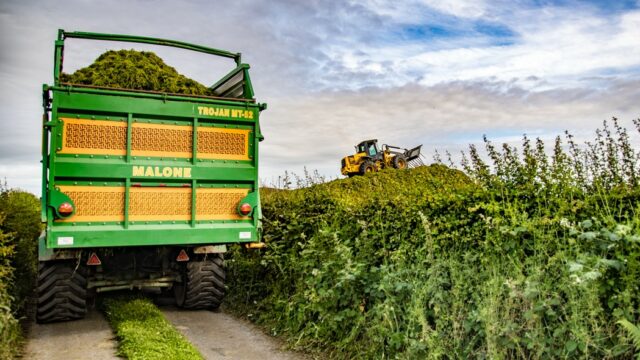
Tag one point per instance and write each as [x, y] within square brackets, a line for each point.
[10, 333]
[19, 229]
[527, 256]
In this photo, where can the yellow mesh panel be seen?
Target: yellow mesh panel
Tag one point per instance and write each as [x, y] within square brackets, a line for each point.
[106, 203]
[159, 203]
[94, 137]
[99, 137]
[161, 140]
[216, 143]
[218, 204]
[94, 203]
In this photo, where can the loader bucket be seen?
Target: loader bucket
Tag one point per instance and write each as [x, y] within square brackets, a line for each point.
[413, 157]
[412, 154]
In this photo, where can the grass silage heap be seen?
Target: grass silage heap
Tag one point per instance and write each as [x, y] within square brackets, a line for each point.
[137, 70]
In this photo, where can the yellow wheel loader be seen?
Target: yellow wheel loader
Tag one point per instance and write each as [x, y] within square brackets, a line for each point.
[369, 158]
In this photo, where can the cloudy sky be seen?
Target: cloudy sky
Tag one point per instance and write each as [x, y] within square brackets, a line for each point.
[433, 72]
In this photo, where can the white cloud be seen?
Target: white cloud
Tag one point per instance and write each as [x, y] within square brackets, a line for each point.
[23, 176]
[556, 44]
[416, 11]
[334, 73]
[461, 8]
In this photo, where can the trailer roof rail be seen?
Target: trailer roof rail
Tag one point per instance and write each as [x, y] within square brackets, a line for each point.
[148, 40]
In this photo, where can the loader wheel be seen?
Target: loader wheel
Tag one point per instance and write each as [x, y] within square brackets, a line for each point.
[399, 162]
[367, 167]
[62, 292]
[203, 286]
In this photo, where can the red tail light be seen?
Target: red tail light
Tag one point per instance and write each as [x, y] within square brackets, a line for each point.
[245, 209]
[65, 209]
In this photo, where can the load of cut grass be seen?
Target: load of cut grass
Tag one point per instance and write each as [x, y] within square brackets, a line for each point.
[528, 257]
[137, 70]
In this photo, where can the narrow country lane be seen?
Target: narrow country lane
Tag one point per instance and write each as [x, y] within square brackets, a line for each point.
[221, 336]
[217, 335]
[89, 338]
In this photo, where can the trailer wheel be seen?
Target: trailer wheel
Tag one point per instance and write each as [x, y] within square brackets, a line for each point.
[62, 292]
[203, 286]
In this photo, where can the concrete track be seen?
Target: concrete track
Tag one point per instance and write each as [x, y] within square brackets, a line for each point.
[89, 338]
[218, 336]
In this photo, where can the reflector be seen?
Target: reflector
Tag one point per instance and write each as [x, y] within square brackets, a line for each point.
[182, 256]
[94, 260]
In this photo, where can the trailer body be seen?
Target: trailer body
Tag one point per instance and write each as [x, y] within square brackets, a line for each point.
[142, 180]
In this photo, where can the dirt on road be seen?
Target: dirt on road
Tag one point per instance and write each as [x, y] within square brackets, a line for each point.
[220, 336]
[216, 334]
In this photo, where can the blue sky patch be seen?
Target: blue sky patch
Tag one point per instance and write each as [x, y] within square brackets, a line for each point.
[606, 6]
[419, 32]
[493, 30]
[491, 33]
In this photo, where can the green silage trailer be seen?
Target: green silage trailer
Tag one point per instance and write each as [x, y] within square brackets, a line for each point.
[144, 189]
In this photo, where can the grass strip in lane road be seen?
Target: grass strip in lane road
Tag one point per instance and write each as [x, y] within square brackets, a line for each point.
[144, 333]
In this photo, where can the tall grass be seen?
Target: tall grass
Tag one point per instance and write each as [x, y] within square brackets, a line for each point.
[522, 255]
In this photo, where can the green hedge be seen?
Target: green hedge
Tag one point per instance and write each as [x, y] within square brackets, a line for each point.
[10, 332]
[19, 229]
[529, 256]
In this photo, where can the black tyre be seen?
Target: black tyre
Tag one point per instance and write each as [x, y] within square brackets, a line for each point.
[62, 292]
[399, 162]
[203, 285]
[367, 167]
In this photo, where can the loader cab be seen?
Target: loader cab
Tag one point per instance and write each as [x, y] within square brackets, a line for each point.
[369, 147]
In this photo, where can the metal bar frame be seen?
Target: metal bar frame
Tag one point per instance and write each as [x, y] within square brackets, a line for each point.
[149, 40]
[164, 94]
[149, 94]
